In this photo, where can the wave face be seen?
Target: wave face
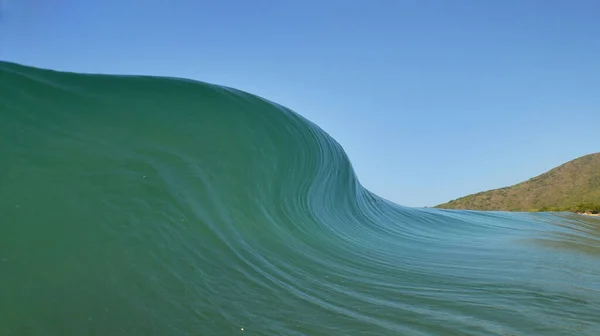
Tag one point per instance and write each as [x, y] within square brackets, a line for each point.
[155, 206]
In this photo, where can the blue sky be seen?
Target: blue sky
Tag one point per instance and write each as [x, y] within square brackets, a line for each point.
[431, 100]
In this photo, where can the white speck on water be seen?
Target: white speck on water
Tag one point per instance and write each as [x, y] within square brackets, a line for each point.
[242, 329]
[144, 176]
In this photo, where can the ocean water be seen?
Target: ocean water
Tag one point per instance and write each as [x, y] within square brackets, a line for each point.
[160, 206]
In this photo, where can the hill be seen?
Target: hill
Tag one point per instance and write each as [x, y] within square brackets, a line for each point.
[573, 186]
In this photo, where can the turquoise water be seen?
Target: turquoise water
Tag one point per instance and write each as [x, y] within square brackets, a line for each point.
[155, 206]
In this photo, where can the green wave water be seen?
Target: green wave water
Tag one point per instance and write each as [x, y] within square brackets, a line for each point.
[155, 206]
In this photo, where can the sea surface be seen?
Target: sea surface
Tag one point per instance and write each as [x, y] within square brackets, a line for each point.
[161, 206]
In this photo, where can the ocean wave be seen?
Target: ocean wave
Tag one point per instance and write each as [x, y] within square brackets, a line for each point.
[162, 206]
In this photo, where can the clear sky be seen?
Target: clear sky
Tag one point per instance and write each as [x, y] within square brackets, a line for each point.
[431, 100]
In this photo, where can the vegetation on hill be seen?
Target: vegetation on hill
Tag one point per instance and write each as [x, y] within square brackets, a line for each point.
[573, 186]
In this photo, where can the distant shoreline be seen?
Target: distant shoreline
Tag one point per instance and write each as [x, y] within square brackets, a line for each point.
[589, 214]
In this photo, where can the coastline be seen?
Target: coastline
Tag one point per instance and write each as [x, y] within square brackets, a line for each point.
[589, 214]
